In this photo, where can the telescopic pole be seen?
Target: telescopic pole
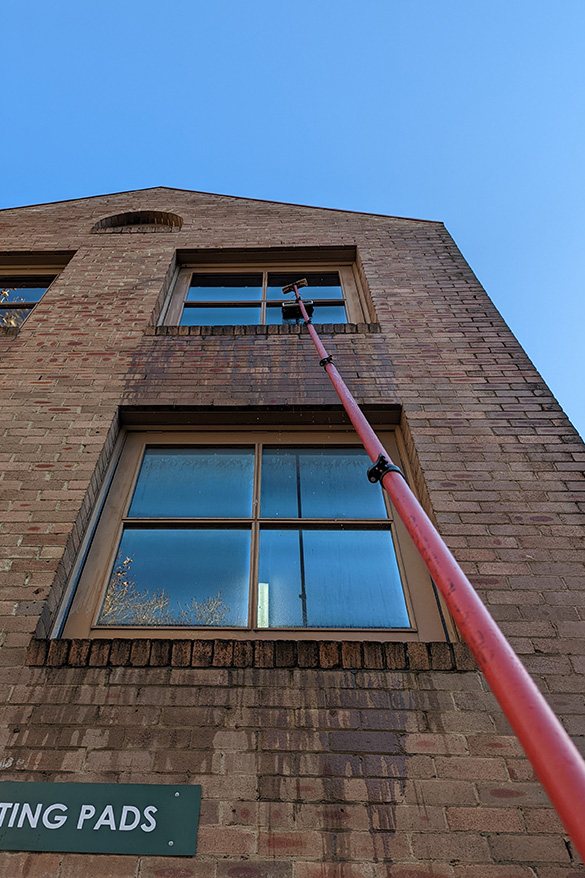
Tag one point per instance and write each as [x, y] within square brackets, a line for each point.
[554, 757]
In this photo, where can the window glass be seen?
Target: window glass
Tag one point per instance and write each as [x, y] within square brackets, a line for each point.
[195, 482]
[225, 288]
[22, 294]
[18, 296]
[324, 578]
[221, 316]
[320, 286]
[13, 317]
[318, 483]
[186, 577]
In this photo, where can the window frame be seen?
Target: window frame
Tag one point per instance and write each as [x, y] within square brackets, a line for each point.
[353, 300]
[426, 615]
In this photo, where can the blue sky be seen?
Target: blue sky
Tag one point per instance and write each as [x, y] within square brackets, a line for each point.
[471, 113]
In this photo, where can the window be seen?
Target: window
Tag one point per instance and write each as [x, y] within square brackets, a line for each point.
[18, 297]
[250, 532]
[214, 296]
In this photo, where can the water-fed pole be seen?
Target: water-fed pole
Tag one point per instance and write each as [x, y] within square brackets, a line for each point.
[555, 759]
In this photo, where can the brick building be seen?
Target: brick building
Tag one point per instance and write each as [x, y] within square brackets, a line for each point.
[199, 586]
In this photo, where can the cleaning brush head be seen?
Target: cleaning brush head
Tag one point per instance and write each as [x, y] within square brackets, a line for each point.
[290, 288]
[292, 310]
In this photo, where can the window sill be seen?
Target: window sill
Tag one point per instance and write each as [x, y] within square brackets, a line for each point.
[327, 328]
[9, 331]
[330, 654]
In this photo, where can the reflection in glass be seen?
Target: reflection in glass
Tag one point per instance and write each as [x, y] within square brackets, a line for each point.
[244, 315]
[195, 482]
[13, 316]
[318, 483]
[179, 577]
[23, 294]
[331, 579]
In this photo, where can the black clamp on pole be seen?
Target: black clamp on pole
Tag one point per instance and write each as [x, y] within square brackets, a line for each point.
[379, 469]
[326, 360]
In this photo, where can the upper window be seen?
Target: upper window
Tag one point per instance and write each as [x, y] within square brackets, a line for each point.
[258, 532]
[18, 297]
[216, 297]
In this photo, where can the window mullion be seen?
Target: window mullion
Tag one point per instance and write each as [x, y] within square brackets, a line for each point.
[264, 297]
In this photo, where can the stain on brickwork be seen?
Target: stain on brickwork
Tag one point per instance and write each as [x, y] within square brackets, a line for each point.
[317, 760]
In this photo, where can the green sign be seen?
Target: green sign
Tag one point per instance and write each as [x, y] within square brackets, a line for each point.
[99, 818]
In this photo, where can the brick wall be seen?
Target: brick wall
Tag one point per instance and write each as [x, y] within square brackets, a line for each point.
[342, 761]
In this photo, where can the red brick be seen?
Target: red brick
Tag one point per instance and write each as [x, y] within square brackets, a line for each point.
[543, 849]
[160, 653]
[97, 865]
[202, 653]
[328, 655]
[37, 652]
[181, 653]
[225, 840]
[223, 652]
[140, 653]
[79, 652]
[257, 869]
[29, 865]
[485, 819]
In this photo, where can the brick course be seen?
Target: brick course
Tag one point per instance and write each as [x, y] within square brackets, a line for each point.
[317, 759]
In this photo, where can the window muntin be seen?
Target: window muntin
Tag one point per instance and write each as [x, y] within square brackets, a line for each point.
[252, 296]
[18, 297]
[329, 558]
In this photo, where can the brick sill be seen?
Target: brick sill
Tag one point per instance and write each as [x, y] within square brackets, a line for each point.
[325, 328]
[347, 655]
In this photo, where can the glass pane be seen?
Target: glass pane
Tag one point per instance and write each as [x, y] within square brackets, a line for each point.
[329, 579]
[225, 288]
[179, 577]
[242, 316]
[321, 314]
[13, 316]
[194, 482]
[318, 483]
[329, 314]
[321, 286]
[21, 294]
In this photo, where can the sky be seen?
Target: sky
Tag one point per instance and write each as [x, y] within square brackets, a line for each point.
[468, 112]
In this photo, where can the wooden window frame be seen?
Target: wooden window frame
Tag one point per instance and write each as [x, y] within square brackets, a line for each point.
[354, 302]
[426, 614]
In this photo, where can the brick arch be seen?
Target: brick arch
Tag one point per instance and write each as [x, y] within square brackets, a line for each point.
[139, 221]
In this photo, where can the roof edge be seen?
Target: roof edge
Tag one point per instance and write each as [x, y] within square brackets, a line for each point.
[223, 195]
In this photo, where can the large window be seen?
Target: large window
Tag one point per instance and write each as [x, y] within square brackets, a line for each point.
[212, 296]
[258, 531]
[18, 297]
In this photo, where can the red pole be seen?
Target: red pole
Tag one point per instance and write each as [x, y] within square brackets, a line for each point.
[554, 757]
